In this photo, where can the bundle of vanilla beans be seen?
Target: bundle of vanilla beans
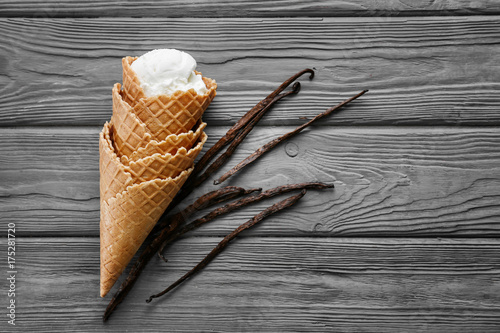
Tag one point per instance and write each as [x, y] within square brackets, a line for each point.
[171, 227]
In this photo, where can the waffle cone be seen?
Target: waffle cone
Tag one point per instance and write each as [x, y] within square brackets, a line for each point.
[131, 204]
[116, 176]
[164, 115]
[127, 219]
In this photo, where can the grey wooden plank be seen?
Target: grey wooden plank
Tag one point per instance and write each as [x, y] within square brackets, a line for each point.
[423, 71]
[407, 181]
[269, 285]
[199, 8]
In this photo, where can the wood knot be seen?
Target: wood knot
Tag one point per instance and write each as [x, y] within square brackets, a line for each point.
[291, 149]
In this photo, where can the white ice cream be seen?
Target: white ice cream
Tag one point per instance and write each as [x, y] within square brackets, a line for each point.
[165, 71]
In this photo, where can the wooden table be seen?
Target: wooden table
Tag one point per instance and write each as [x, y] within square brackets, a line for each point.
[408, 241]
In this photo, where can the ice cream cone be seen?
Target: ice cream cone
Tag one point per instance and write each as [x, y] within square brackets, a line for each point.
[164, 115]
[147, 152]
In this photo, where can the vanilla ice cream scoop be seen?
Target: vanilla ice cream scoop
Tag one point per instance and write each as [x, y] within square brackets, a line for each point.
[165, 71]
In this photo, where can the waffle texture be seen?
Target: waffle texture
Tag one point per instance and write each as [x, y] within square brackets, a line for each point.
[147, 152]
[127, 219]
[170, 145]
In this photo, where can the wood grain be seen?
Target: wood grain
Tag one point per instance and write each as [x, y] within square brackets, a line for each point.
[269, 285]
[227, 8]
[407, 181]
[423, 71]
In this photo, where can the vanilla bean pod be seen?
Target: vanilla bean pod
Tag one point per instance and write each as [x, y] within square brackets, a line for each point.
[243, 121]
[273, 143]
[205, 201]
[232, 206]
[232, 133]
[223, 244]
[221, 160]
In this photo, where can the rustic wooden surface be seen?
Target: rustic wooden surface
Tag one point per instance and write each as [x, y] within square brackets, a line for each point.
[420, 71]
[273, 284]
[408, 241]
[259, 8]
[406, 181]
